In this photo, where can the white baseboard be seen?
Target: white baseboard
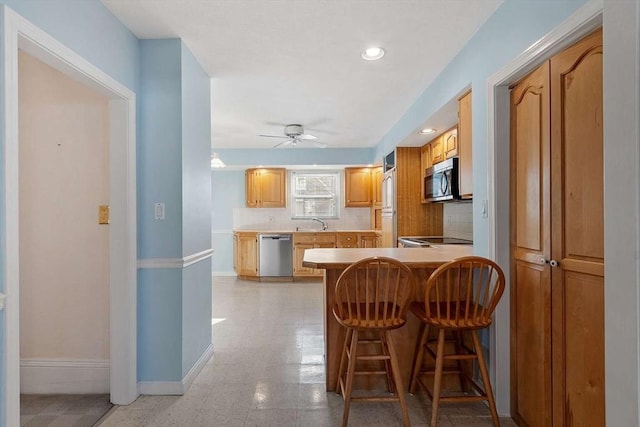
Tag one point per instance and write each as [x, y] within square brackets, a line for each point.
[173, 388]
[64, 376]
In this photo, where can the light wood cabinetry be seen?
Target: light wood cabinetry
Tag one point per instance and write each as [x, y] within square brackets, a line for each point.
[376, 184]
[246, 254]
[426, 161]
[412, 217]
[450, 143]
[358, 190]
[304, 241]
[557, 280]
[437, 150]
[266, 187]
[465, 159]
[367, 240]
[347, 240]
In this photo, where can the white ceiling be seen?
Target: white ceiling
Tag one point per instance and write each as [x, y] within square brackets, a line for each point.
[274, 62]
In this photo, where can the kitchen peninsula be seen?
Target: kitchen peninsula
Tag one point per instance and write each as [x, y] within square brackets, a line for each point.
[422, 262]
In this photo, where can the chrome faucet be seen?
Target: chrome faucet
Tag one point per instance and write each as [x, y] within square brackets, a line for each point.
[324, 224]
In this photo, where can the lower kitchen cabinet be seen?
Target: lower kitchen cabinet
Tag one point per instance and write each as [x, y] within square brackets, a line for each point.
[304, 241]
[246, 254]
[367, 240]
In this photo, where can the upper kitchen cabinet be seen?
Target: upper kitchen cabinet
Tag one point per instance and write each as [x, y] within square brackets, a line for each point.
[464, 147]
[437, 149]
[376, 184]
[358, 190]
[266, 187]
[426, 161]
[450, 143]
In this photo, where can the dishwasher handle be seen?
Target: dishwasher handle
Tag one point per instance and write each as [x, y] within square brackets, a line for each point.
[276, 236]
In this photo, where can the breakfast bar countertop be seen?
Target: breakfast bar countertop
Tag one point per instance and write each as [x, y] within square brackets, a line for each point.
[333, 261]
[329, 258]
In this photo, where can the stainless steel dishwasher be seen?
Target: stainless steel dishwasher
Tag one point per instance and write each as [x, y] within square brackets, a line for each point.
[276, 255]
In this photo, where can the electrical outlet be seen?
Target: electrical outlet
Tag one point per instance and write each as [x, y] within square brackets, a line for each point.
[103, 214]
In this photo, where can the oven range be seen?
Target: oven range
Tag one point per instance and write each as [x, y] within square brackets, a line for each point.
[426, 241]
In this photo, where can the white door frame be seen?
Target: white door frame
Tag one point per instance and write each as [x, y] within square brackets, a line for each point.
[582, 22]
[20, 34]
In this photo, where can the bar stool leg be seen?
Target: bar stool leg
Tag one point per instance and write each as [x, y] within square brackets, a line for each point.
[343, 357]
[384, 348]
[395, 368]
[485, 378]
[350, 374]
[437, 379]
[417, 363]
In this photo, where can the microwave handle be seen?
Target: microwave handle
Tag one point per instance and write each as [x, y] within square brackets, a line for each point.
[444, 184]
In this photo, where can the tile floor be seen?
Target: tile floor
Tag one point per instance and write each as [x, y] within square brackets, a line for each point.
[62, 410]
[268, 370]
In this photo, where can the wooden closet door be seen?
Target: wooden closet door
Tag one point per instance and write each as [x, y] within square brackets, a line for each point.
[530, 245]
[578, 234]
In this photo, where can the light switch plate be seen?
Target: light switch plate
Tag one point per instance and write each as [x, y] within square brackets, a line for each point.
[103, 214]
[158, 211]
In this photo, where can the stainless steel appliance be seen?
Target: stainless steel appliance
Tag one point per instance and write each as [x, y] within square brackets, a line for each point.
[441, 181]
[425, 242]
[389, 212]
[276, 255]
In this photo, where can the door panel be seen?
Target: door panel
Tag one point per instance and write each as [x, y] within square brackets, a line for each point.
[530, 283]
[532, 329]
[578, 233]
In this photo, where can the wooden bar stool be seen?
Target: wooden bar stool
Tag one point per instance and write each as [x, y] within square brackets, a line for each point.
[460, 297]
[372, 295]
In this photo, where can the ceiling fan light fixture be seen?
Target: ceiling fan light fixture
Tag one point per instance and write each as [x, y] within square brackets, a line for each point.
[427, 131]
[216, 162]
[373, 53]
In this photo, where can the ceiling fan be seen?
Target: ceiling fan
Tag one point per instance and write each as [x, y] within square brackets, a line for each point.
[295, 136]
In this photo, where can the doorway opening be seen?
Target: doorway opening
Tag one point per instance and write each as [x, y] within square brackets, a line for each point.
[18, 35]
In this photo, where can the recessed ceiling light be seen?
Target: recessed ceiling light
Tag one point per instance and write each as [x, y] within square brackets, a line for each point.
[427, 131]
[373, 53]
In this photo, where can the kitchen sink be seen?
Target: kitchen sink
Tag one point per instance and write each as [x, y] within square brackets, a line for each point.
[310, 230]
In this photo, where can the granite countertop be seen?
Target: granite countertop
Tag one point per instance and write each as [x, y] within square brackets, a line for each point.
[414, 257]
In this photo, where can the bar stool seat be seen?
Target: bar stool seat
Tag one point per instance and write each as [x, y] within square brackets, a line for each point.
[460, 297]
[372, 298]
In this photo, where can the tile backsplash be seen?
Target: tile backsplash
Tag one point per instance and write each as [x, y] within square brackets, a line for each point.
[280, 219]
[458, 220]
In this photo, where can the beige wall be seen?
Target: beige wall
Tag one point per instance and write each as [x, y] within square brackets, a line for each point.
[64, 253]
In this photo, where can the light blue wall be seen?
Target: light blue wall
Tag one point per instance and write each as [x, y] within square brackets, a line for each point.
[93, 32]
[196, 149]
[196, 208]
[174, 304]
[88, 28]
[227, 193]
[514, 26]
[160, 148]
[298, 156]
[160, 324]
[196, 312]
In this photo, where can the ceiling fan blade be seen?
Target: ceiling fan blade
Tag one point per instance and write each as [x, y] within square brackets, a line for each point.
[307, 136]
[283, 144]
[274, 136]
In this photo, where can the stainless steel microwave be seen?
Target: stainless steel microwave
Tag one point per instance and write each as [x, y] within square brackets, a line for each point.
[441, 181]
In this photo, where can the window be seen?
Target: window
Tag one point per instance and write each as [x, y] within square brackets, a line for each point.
[315, 194]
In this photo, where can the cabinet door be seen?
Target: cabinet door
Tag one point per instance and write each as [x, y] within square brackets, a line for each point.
[251, 187]
[426, 161]
[450, 143]
[367, 241]
[248, 255]
[437, 150]
[298, 256]
[273, 188]
[347, 240]
[464, 147]
[357, 183]
[376, 195]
